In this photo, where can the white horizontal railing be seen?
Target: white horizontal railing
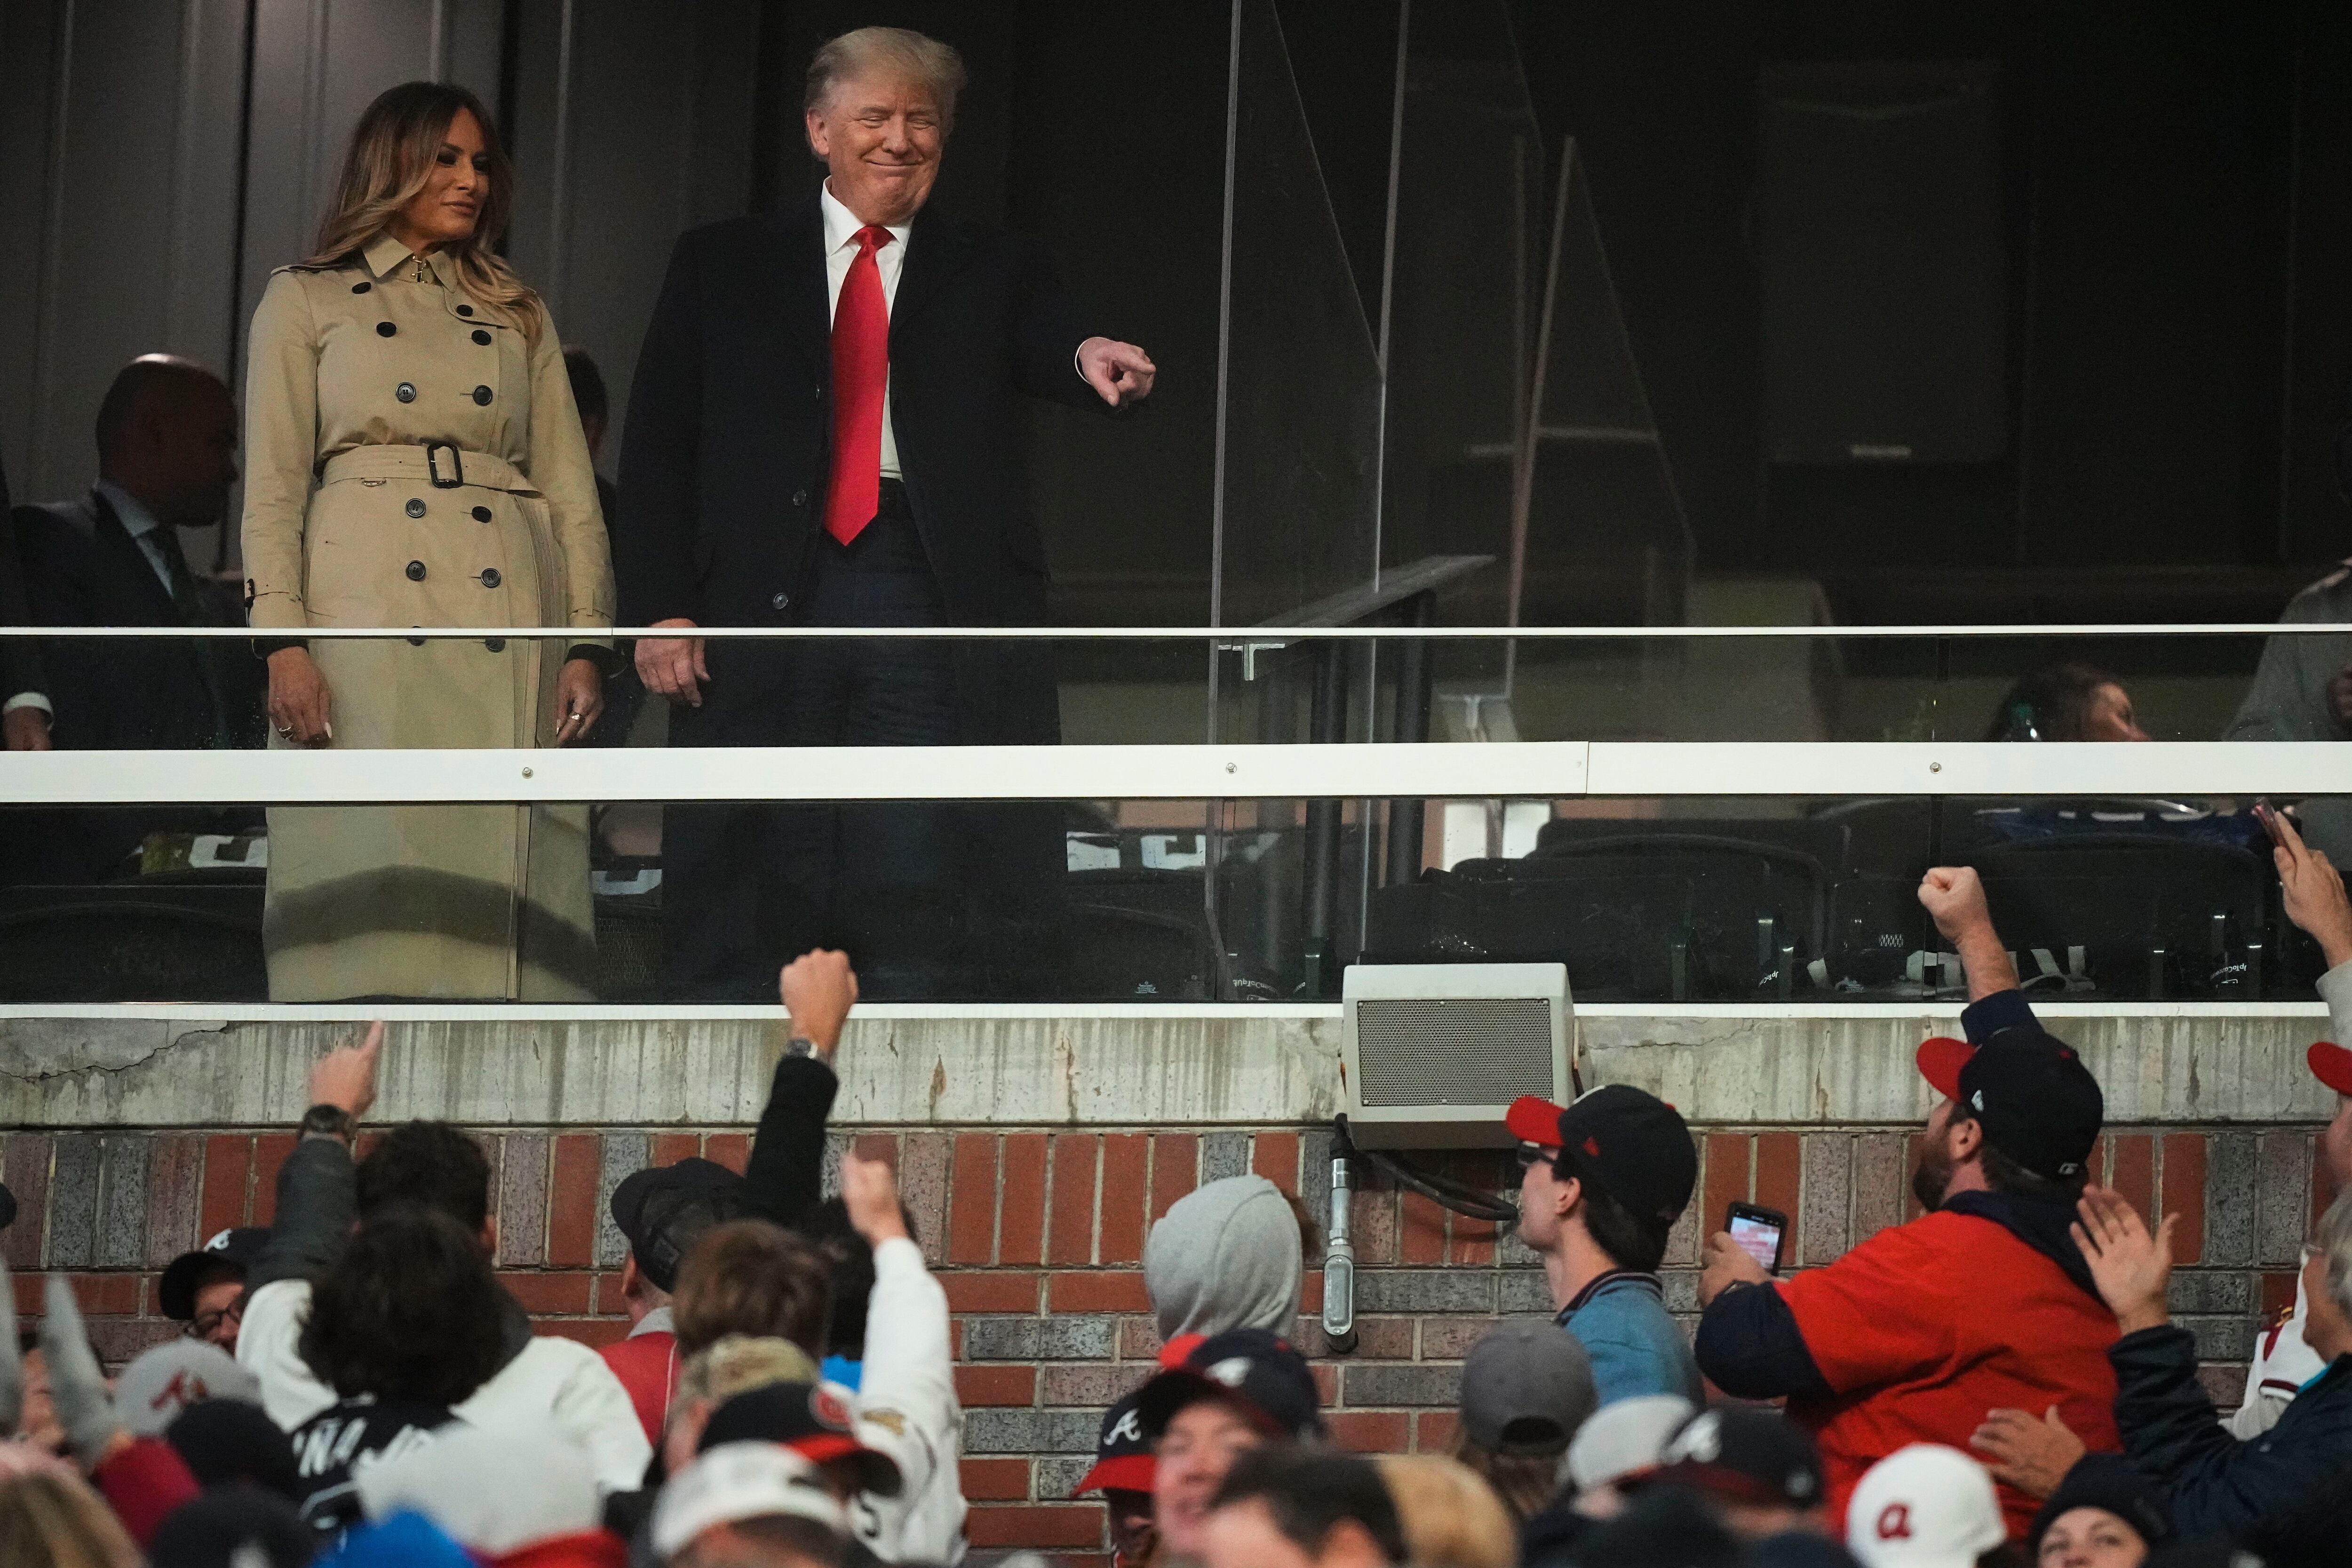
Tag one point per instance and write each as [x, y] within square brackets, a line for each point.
[1527, 769]
[1233, 635]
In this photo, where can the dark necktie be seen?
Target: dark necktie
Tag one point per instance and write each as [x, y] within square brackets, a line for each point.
[186, 596]
[861, 370]
[188, 600]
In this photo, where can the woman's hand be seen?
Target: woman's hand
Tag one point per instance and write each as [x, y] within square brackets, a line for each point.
[2129, 1266]
[298, 699]
[579, 697]
[2031, 1456]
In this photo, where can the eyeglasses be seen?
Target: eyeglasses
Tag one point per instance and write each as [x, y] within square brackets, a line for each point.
[1533, 1154]
[204, 1325]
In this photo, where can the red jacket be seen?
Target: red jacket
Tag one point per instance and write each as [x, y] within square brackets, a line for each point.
[1924, 1328]
[646, 1366]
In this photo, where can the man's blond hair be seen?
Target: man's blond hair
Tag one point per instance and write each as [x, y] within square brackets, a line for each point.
[894, 51]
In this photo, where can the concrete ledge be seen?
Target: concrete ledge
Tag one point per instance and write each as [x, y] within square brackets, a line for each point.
[937, 1066]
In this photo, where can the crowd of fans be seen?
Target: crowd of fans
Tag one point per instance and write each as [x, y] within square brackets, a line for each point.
[1996, 1383]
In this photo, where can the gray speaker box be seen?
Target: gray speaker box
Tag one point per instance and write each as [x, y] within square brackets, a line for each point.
[1433, 1053]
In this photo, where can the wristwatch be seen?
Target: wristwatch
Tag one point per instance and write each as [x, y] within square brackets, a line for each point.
[799, 1046]
[329, 1122]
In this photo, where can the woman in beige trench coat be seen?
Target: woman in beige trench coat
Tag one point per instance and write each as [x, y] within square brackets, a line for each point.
[415, 459]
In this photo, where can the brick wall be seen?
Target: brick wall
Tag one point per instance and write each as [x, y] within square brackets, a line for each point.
[1038, 1236]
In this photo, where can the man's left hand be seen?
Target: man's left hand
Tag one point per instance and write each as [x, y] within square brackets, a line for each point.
[2031, 1456]
[1726, 1264]
[1120, 373]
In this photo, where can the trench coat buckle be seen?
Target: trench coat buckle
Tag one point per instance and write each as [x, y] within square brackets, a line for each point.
[433, 450]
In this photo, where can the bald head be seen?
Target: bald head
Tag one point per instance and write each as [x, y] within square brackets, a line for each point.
[167, 434]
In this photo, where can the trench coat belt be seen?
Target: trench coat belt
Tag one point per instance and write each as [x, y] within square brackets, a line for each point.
[439, 463]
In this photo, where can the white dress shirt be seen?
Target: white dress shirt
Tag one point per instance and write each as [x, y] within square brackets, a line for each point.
[841, 226]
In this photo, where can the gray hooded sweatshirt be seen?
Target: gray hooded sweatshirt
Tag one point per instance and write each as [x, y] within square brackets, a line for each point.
[1226, 1256]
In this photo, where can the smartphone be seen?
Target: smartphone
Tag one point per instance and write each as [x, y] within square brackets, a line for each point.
[1757, 1231]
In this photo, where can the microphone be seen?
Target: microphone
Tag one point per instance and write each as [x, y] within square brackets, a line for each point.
[1340, 1267]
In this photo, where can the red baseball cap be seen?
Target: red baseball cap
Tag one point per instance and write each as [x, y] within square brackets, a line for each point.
[2331, 1064]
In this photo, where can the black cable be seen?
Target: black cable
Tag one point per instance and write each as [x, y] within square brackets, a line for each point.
[1443, 1191]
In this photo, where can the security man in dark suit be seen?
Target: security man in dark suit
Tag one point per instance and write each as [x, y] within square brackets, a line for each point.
[24, 719]
[824, 430]
[167, 438]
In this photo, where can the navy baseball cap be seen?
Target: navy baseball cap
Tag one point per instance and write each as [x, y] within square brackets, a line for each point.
[2037, 1102]
[1630, 1145]
[1123, 1460]
[663, 1212]
[234, 1247]
[1256, 1370]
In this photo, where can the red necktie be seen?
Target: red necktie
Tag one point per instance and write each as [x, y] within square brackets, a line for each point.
[861, 370]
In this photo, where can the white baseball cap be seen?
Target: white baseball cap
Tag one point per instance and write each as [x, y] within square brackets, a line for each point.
[1625, 1438]
[1926, 1506]
[736, 1481]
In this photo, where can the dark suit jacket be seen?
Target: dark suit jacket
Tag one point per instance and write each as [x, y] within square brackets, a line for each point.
[20, 657]
[724, 458]
[82, 568]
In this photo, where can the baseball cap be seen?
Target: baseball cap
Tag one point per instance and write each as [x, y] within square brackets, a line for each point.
[663, 1210]
[1624, 1437]
[737, 1481]
[238, 1245]
[813, 1420]
[2037, 1102]
[1744, 1453]
[1526, 1389]
[1924, 1506]
[226, 1441]
[2105, 1482]
[1631, 1145]
[1252, 1368]
[2331, 1064]
[161, 1381]
[233, 1527]
[1122, 1456]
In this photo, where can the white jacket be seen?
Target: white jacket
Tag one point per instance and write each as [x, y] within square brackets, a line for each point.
[907, 1409]
[554, 1384]
[2282, 1362]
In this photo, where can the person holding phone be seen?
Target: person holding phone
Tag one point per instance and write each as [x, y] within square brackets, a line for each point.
[1606, 1179]
[1986, 1301]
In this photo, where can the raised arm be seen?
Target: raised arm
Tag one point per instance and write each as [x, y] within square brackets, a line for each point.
[906, 1399]
[785, 1177]
[317, 1200]
[1954, 897]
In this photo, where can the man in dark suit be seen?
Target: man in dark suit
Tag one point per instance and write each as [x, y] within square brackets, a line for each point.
[24, 719]
[167, 436]
[824, 430]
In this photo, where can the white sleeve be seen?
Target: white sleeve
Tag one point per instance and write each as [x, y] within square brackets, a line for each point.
[268, 1345]
[2335, 990]
[593, 1409]
[907, 1403]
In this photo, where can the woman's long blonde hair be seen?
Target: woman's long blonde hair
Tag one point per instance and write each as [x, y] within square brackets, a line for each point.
[392, 154]
[50, 1518]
